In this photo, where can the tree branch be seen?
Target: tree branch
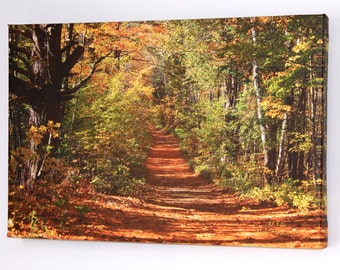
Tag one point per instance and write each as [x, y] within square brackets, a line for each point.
[68, 46]
[20, 87]
[72, 60]
[67, 98]
[79, 85]
[26, 33]
[22, 59]
[22, 71]
[15, 48]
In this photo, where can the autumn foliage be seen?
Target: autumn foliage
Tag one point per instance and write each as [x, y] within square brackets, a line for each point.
[244, 97]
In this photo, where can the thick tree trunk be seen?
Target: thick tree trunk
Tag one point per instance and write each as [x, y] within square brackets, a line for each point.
[43, 83]
[47, 76]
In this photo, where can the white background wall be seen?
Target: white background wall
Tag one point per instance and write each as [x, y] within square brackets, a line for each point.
[61, 255]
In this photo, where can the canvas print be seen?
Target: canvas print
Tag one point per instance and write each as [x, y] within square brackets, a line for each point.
[181, 131]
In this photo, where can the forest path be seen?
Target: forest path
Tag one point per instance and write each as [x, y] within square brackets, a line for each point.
[180, 207]
[173, 181]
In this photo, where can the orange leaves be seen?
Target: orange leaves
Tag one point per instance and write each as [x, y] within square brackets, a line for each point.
[125, 45]
[159, 29]
[129, 44]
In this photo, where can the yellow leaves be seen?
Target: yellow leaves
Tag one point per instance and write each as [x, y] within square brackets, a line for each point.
[274, 108]
[300, 142]
[301, 47]
[57, 125]
[320, 42]
[306, 44]
[36, 134]
[52, 128]
[159, 29]
[294, 58]
[41, 129]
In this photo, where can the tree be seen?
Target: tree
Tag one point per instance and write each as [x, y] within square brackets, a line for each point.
[257, 84]
[40, 64]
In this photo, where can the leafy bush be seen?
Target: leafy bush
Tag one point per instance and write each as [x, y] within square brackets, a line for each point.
[206, 141]
[301, 195]
[188, 142]
[34, 161]
[204, 172]
[241, 177]
[112, 139]
[118, 182]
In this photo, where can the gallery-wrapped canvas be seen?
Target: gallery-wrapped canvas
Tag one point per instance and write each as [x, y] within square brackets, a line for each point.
[207, 131]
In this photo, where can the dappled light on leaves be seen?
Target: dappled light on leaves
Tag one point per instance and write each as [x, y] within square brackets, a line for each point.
[186, 131]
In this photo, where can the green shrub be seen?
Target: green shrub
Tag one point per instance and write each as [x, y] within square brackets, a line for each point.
[204, 172]
[112, 139]
[241, 177]
[302, 195]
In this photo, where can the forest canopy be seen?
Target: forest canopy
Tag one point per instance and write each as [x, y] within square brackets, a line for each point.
[246, 97]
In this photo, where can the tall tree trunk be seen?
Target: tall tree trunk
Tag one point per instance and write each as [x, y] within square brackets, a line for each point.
[258, 96]
[281, 152]
[319, 111]
[260, 113]
[318, 134]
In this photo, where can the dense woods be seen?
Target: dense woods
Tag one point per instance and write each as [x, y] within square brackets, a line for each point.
[246, 98]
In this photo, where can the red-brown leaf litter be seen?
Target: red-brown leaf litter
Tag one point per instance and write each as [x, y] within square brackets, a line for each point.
[178, 206]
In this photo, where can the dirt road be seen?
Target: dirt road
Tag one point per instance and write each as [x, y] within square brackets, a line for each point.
[180, 207]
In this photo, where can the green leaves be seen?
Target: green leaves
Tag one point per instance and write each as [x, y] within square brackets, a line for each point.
[115, 147]
[209, 97]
